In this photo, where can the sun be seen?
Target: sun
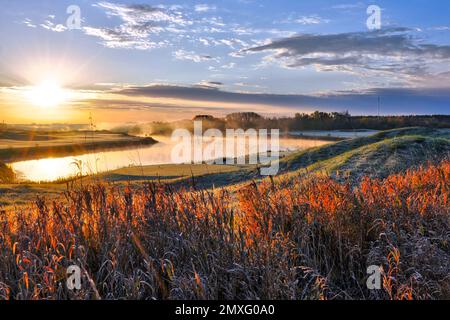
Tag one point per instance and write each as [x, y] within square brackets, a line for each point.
[47, 94]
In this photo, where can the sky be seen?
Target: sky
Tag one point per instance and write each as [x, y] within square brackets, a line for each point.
[142, 61]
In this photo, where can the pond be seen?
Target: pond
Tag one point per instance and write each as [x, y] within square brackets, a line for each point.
[348, 134]
[51, 169]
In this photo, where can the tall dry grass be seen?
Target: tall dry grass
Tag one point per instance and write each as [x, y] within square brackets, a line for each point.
[302, 238]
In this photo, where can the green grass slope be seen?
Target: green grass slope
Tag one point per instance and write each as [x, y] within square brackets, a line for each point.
[378, 155]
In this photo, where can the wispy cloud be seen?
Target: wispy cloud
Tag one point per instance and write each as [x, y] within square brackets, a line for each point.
[230, 65]
[192, 56]
[210, 84]
[390, 50]
[29, 23]
[313, 19]
[439, 28]
[205, 7]
[348, 6]
[138, 23]
[249, 85]
[113, 38]
[146, 27]
[49, 25]
[143, 15]
[406, 101]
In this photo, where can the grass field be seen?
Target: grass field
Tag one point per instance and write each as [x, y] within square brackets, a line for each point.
[301, 238]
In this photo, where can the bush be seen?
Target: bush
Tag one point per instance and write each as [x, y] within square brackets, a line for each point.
[6, 174]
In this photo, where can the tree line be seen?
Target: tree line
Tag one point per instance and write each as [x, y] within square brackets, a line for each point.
[300, 121]
[324, 121]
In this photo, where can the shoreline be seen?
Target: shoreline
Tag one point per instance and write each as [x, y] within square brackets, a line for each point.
[312, 137]
[36, 153]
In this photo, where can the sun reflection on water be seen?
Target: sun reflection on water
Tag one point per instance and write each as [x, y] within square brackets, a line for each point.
[52, 169]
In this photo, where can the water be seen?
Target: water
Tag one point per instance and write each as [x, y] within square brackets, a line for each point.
[51, 169]
[335, 133]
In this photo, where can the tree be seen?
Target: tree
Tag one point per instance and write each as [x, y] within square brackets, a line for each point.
[243, 120]
[202, 117]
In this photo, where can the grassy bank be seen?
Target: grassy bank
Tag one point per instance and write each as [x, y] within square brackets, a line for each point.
[18, 145]
[307, 238]
[38, 152]
[378, 155]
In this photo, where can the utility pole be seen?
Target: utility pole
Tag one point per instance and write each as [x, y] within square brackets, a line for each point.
[379, 100]
[91, 125]
[91, 128]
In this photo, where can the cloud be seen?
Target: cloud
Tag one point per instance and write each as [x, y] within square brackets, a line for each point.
[192, 56]
[306, 20]
[113, 38]
[126, 105]
[249, 31]
[140, 26]
[210, 84]
[139, 16]
[121, 104]
[230, 65]
[29, 23]
[439, 28]
[49, 25]
[314, 19]
[144, 27]
[138, 23]
[204, 8]
[248, 85]
[390, 50]
[403, 101]
[349, 6]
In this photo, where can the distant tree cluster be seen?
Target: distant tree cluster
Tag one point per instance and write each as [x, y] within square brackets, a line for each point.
[203, 117]
[247, 118]
[326, 121]
[344, 121]
[300, 121]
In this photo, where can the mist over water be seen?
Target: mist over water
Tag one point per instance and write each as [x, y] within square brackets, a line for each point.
[51, 169]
